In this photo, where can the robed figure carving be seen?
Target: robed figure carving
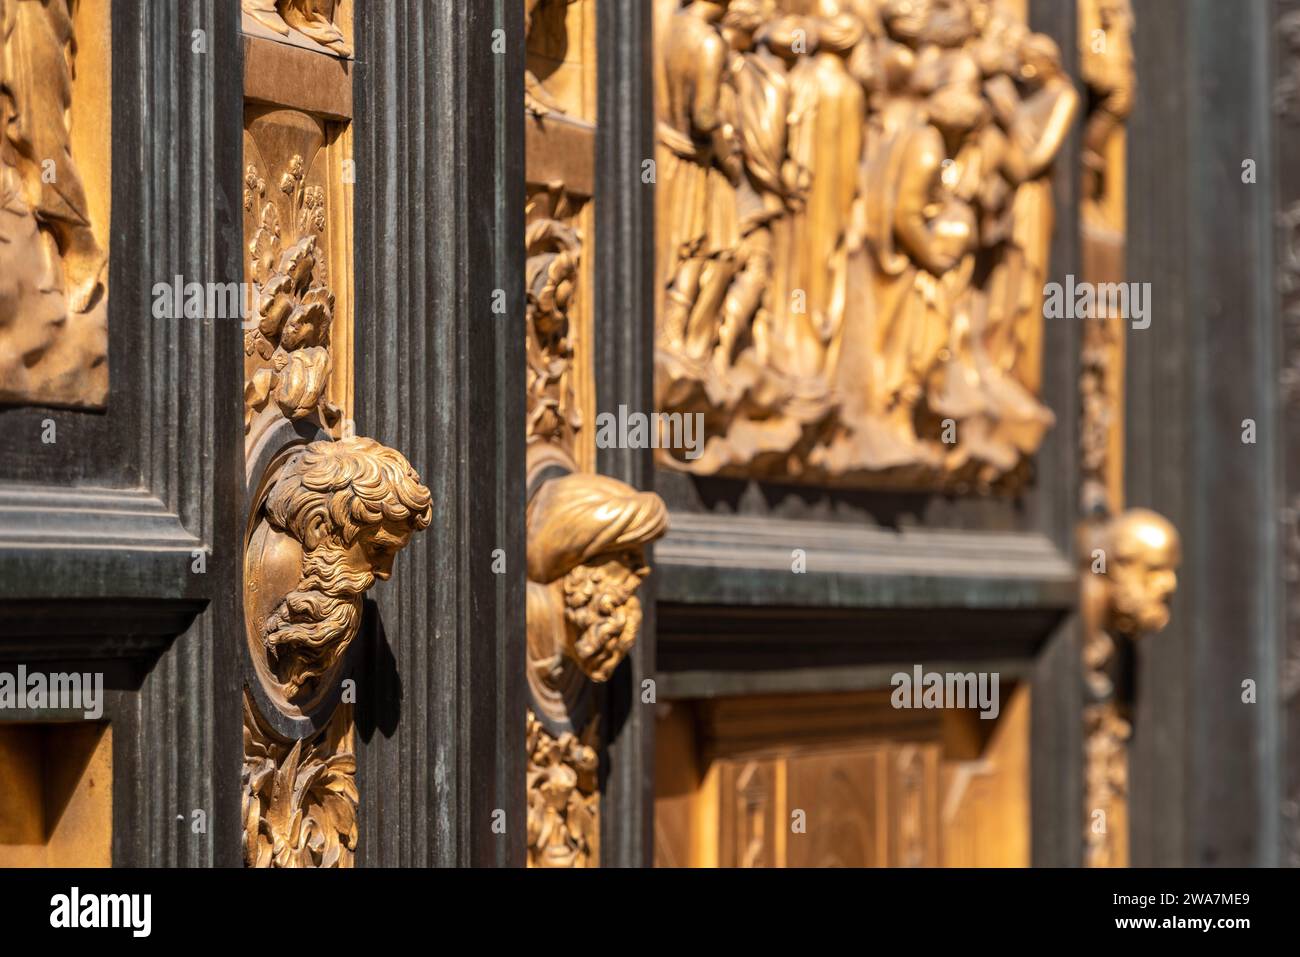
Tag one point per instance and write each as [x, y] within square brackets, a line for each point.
[854, 222]
[53, 269]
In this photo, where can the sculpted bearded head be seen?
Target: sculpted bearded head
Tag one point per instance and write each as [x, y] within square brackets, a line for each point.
[352, 505]
[1142, 557]
[586, 535]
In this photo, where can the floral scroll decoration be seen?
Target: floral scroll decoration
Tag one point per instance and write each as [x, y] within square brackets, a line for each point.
[288, 330]
[563, 797]
[554, 256]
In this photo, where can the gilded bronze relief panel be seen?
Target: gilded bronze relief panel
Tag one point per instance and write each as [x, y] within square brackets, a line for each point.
[55, 176]
[854, 216]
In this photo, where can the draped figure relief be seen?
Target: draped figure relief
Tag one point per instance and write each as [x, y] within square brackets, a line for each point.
[53, 203]
[854, 222]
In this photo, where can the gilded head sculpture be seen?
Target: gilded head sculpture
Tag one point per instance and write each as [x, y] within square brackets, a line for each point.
[1142, 557]
[789, 36]
[351, 506]
[744, 18]
[586, 535]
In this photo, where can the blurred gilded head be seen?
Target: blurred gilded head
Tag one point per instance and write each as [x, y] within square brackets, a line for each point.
[1143, 554]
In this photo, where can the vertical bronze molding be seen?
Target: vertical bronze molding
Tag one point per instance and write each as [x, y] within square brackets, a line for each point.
[1128, 557]
[585, 532]
[55, 176]
[327, 511]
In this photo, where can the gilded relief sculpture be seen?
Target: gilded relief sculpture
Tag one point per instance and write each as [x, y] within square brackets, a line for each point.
[1126, 594]
[53, 258]
[314, 19]
[1129, 558]
[854, 219]
[328, 510]
[586, 535]
[286, 344]
[330, 517]
[537, 99]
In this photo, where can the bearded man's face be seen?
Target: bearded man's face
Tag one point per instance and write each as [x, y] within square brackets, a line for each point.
[312, 627]
[603, 612]
[1142, 591]
[376, 547]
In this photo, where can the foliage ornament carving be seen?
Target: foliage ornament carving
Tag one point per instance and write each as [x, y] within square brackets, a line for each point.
[287, 336]
[563, 798]
[854, 220]
[300, 800]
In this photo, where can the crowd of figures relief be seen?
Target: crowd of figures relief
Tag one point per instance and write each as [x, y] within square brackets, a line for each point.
[854, 209]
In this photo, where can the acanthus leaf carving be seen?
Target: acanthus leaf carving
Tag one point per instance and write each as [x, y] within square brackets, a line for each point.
[300, 798]
[563, 798]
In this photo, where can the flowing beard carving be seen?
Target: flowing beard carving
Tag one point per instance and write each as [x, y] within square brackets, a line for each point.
[600, 602]
[312, 627]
